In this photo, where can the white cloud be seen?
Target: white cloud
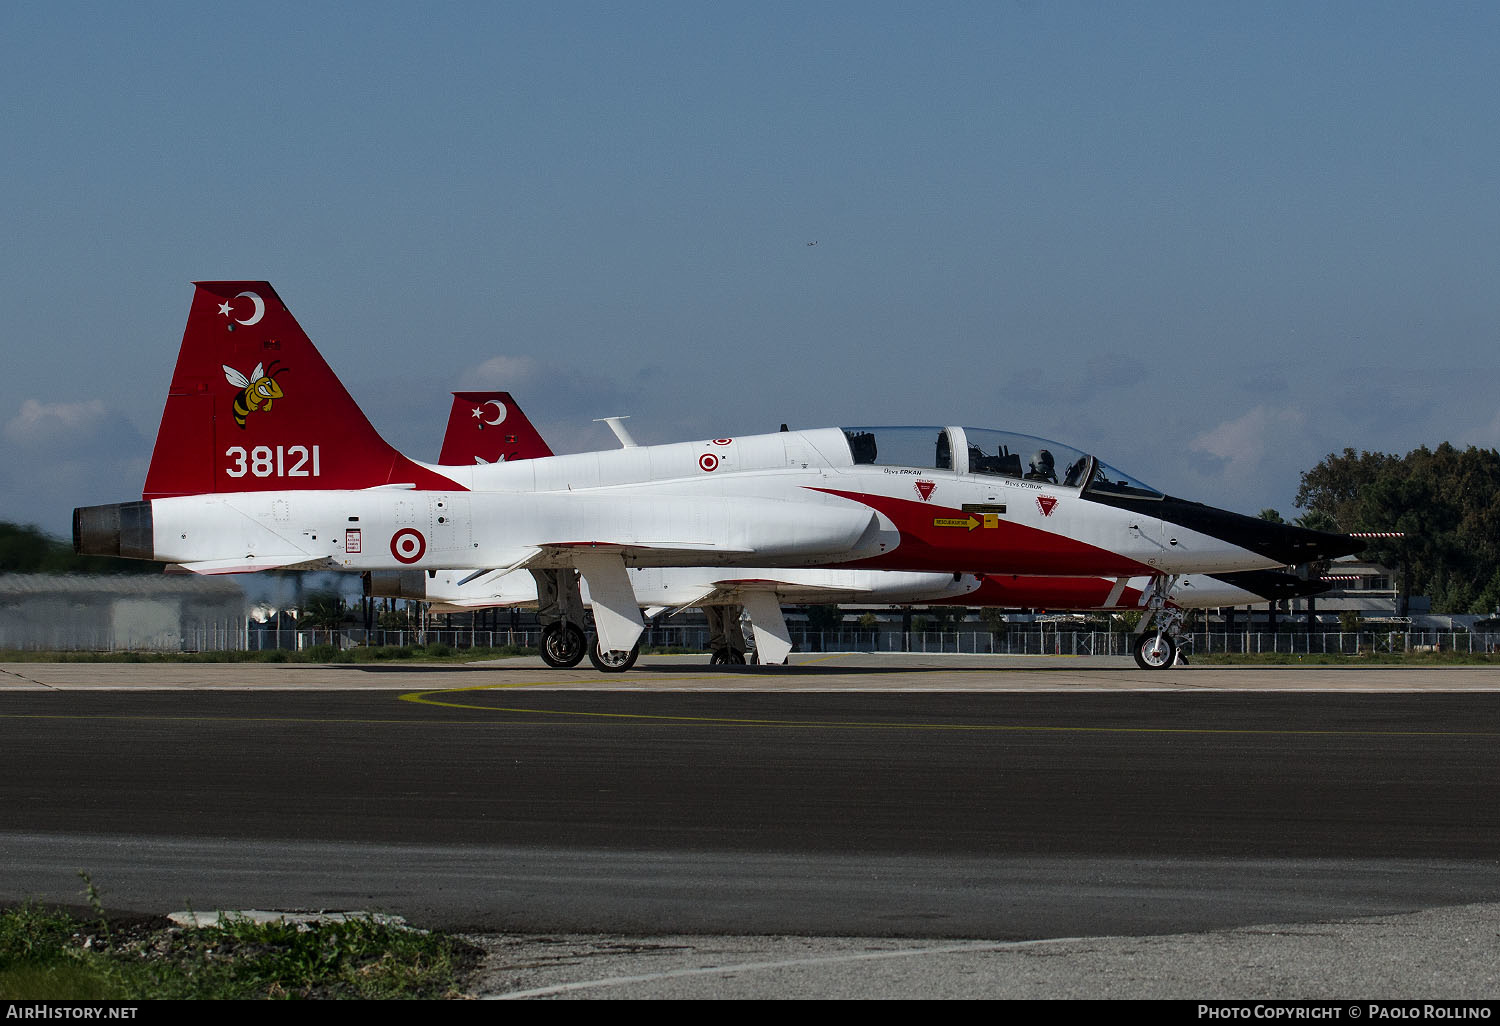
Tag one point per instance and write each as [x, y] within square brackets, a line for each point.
[500, 372]
[1241, 447]
[1489, 435]
[61, 455]
[39, 422]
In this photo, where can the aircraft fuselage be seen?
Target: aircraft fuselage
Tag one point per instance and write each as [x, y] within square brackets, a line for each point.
[787, 499]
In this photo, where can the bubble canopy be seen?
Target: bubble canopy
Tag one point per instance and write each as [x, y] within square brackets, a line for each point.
[985, 451]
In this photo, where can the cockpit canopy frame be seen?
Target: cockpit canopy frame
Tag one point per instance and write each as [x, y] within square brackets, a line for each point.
[985, 451]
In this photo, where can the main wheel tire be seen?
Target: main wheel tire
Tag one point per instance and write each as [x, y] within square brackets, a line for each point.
[726, 657]
[563, 645]
[1155, 651]
[613, 662]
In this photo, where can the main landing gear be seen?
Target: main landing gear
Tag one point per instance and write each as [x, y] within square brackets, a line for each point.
[726, 639]
[613, 662]
[560, 608]
[563, 645]
[1159, 648]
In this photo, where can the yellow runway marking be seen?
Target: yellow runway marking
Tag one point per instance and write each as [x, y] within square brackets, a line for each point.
[551, 716]
[429, 698]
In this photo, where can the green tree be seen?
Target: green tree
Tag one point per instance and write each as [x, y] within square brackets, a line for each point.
[326, 611]
[994, 620]
[1445, 501]
[824, 618]
[1317, 520]
[25, 549]
[946, 618]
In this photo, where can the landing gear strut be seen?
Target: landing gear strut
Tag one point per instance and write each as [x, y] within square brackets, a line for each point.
[560, 608]
[725, 637]
[1159, 649]
[1155, 650]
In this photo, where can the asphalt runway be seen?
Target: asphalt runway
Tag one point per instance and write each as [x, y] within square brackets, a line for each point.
[937, 797]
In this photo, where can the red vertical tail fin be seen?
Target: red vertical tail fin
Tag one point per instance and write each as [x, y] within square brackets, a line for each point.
[253, 406]
[489, 427]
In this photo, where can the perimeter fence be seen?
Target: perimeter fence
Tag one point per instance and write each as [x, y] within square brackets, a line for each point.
[1040, 641]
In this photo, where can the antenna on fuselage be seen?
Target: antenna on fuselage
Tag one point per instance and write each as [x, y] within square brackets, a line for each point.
[626, 442]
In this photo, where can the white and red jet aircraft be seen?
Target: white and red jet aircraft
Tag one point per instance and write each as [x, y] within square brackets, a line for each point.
[264, 461]
[489, 427]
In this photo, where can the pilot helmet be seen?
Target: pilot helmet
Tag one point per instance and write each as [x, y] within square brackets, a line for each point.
[1041, 462]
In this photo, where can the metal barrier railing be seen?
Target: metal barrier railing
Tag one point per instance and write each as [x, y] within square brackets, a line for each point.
[1042, 641]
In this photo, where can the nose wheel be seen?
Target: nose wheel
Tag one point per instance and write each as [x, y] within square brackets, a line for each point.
[1155, 650]
[563, 645]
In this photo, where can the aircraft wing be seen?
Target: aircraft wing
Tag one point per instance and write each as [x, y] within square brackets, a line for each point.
[738, 591]
[562, 555]
[251, 564]
[457, 605]
[789, 591]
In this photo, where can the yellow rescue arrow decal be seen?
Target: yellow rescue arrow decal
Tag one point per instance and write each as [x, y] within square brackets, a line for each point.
[967, 522]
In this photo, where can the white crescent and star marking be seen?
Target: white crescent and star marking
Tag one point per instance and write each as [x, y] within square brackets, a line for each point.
[227, 308]
[499, 412]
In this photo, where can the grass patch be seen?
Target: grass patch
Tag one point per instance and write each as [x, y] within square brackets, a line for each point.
[51, 954]
[1337, 659]
[438, 652]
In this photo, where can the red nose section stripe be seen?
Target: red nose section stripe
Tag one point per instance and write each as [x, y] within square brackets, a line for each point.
[1016, 592]
[941, 538]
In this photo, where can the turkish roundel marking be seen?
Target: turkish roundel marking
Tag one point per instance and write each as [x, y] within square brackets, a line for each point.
[722, 441]
[408, 545]
[708, 462]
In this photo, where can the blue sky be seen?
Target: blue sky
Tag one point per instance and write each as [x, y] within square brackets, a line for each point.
[1210, 242]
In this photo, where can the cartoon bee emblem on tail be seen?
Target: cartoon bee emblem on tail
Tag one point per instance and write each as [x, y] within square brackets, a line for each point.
[257, 392]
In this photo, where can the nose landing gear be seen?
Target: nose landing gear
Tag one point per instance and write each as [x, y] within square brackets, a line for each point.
[1159, 649]
[1155, 650]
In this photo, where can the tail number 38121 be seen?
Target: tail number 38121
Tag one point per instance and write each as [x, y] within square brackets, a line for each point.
[282, 461]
